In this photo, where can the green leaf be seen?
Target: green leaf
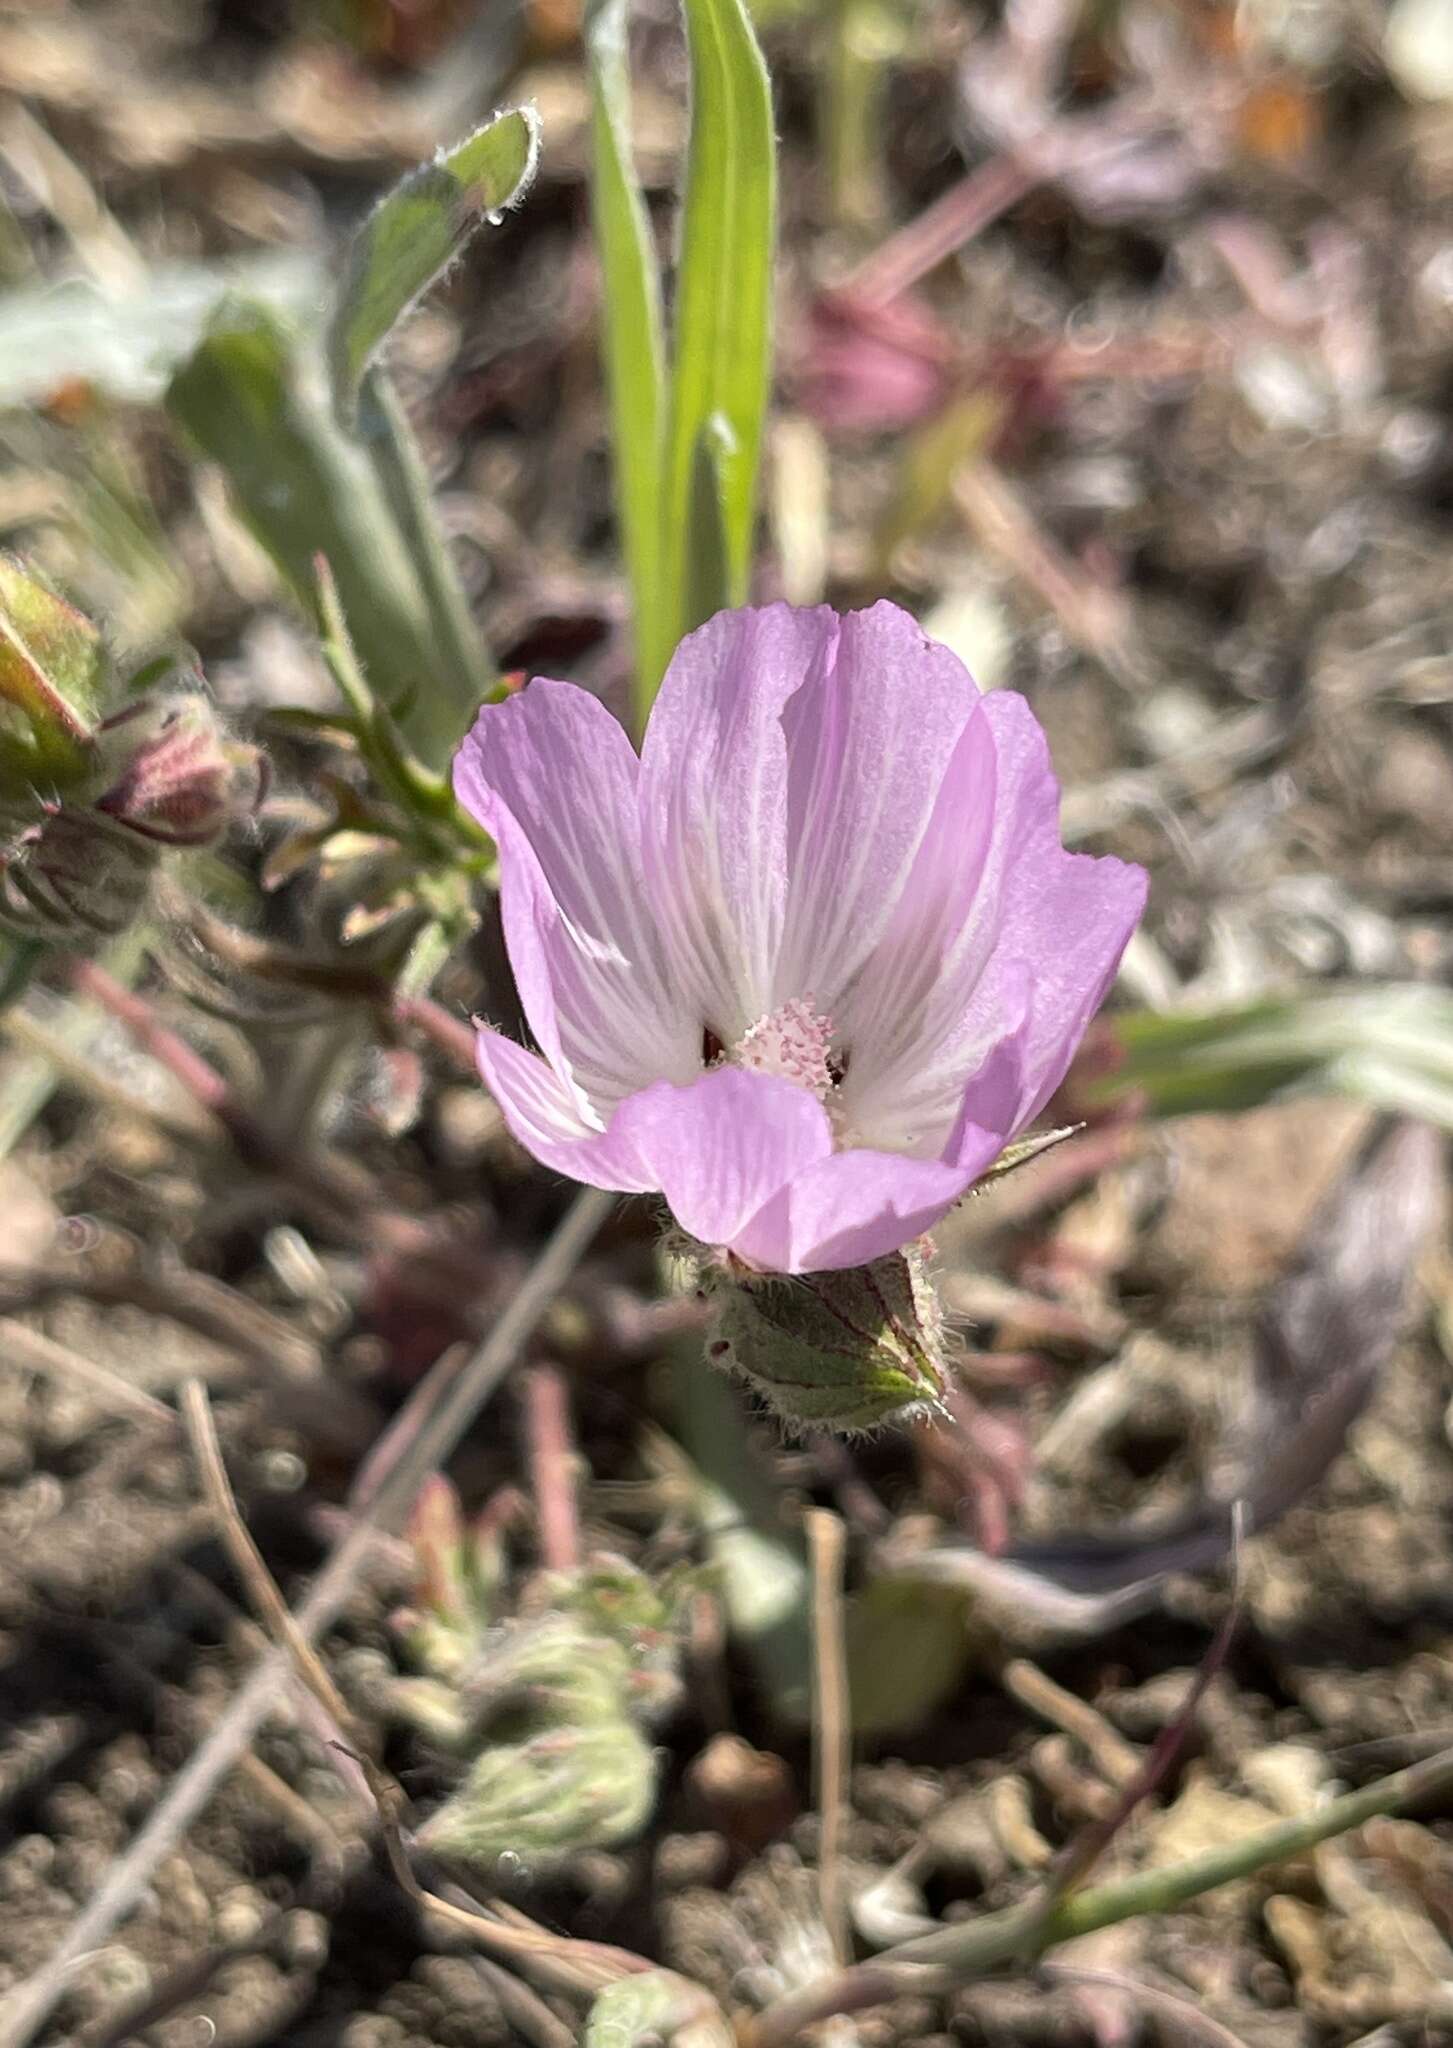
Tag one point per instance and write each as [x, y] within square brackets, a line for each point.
[308, 489]
[723, 314]
[707, 588]
[52, 676]
[416, 232]
[633, 344]
[1390, 1044]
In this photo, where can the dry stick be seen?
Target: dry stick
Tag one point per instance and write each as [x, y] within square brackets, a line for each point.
[1083, 1854]
[1111, 1754]
[432, 1433]
[250, 1565]
[1019, 1935]
[831, 1718]
[20, 1345]
[1186, 2020]
[554, 1466]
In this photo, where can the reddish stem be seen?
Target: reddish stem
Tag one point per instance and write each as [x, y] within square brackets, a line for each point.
[962, 212]
[200, 1079]
[446, 1034]
[554, 1466]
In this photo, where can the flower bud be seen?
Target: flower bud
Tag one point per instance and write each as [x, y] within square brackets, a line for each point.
[52, 678]
[846, 1350]
[174, 777]
[73, 875]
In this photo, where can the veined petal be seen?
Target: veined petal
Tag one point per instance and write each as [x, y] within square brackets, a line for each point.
[1067, 917]
[1041, 935]
[911, 992]
[716, 1150]
[543, 1112]
[713, 805]
[721, 1148]
[870, 738]
[858, 1206]
[552, 777]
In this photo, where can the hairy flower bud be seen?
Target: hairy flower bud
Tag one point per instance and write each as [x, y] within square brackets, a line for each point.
[72, 876]
[177, 779]
[846, 1350]
[88, 802]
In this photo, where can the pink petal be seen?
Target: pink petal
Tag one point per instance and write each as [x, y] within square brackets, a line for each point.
[552, 776]
[713, 804]
[721, 1148]
[1040, 935]
[911, 993]
[716, 1150]
[870, 739]
[1067, 917]
[858, 1206]
[544, 1114]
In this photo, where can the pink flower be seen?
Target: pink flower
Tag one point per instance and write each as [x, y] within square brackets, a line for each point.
[810, 962]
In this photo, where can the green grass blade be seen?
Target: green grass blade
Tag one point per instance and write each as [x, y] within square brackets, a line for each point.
[723, 313]
[707, 588]
[415, 232]
[632, 335]
[1388, 1044]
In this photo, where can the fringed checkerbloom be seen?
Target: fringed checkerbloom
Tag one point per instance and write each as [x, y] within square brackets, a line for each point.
[807, 964]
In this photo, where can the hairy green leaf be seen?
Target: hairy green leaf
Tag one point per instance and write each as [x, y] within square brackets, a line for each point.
[414, 234]
[308, 489]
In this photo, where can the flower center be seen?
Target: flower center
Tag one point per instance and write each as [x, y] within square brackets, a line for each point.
[795, 1043]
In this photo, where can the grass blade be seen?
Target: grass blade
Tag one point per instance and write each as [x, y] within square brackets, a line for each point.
[634, 346]
[1389, 1044]
[415, 233]
[723, 315]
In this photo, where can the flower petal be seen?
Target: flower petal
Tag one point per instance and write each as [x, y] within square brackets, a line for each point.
[721, 1148]
[713, 804]
[1067, 917]
[542, 1111]
[1040, 935]
[869, 741]
[858, 1206]
[716, 1150]
[552, 776]
[911, 992]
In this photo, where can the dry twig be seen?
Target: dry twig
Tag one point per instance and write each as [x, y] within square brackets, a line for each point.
[831, 1717]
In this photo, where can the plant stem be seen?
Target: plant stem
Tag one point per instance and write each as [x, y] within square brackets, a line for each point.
[1019, 1935]
[384, 430]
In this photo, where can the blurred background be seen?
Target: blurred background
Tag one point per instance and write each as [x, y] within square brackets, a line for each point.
[1114, 339]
